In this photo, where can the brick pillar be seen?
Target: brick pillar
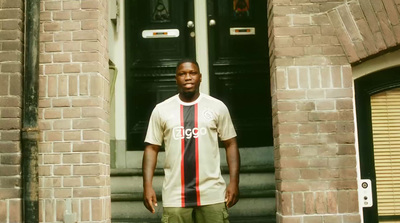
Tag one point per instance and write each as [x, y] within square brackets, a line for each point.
[11, 48]
[74, 107]
[312, 96]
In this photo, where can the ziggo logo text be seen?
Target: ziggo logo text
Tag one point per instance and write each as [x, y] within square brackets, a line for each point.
[180, 132]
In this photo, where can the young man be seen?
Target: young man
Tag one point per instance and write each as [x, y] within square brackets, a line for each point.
[189, 125]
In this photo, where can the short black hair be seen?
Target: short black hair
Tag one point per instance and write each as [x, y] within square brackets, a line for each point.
[187, 60]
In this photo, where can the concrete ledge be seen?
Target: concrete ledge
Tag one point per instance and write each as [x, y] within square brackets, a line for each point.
[138, 196]
[245, 208]
[134, 184]
[160, 171]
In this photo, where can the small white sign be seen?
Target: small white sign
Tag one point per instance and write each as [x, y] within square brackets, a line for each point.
[160, 33]
[239, 31]
[365, 193]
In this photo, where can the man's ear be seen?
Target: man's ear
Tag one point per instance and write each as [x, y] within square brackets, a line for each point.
[201, 77]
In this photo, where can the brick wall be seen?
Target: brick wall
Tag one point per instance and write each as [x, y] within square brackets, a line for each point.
[367, 27]
[11, 48]
[74, 107]
[312, 44]
[312, 96]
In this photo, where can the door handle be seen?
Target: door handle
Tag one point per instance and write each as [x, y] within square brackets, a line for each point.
[190, 24]
[212, 22]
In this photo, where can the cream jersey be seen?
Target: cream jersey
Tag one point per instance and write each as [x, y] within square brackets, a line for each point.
[190, 134]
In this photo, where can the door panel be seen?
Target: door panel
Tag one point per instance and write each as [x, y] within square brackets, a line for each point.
[239, 69]
[151, 62]
[365, 87]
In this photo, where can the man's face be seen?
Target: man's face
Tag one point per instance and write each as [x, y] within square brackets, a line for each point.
[188, 78]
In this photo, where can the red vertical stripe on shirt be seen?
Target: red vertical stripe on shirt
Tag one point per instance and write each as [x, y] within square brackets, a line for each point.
[196, 123]
[182, 159]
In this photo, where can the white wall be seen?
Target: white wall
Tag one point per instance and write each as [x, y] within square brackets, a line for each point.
[116, 41]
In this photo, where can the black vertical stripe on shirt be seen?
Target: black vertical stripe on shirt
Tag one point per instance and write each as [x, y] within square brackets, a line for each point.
[189, 157]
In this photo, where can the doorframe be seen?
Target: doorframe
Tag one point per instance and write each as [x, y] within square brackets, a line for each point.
[118, 43]
[201, 23]
[365, 87]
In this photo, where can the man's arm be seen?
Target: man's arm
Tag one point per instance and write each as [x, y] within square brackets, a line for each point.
[233, 159]
[148, 166]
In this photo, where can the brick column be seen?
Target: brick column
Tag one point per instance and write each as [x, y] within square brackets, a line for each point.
[11, 48]
[312, 96]
[74, 108]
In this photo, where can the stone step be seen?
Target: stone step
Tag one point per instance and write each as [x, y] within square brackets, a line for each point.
[251, 185]
[160, 171]
[258, 156]
[135, 220]
[253, 219]
[257, 188]
[245, 208]
[138, 196]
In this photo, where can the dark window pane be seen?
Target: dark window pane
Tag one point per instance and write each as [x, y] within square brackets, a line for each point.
[241, 9]
[160, 10]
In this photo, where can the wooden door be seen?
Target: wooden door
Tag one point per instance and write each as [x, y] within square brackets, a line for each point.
[158, 34]
[239, 68]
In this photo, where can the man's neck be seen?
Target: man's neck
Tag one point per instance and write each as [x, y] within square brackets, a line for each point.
[187, 97]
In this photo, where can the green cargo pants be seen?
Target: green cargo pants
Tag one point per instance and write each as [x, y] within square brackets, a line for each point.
[214, 213]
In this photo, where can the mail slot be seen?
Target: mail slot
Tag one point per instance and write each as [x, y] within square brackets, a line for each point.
[236, 31]
[160, 33]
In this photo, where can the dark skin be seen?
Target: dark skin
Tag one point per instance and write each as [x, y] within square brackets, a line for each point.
[188, 78]
[148, 167]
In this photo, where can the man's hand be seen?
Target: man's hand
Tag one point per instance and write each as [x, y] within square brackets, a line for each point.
[233, 160]
[231, 195]
[148, 167]
[149, 198]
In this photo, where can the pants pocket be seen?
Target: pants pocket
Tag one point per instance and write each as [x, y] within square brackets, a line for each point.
[225, 215]
[164, 219]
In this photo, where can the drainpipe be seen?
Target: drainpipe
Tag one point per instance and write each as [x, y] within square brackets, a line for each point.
[30, 130]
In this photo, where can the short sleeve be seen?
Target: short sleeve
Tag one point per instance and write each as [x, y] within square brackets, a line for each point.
[154, 133]
[225, 127]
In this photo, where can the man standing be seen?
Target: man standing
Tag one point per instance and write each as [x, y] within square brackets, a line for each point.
[189, 125]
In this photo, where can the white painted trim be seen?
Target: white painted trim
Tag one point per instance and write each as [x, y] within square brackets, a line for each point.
[388, 60]
[200, 18]
[360, 209]
[118, 58]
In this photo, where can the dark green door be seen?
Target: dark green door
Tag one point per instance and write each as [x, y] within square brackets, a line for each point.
[158, 35]
[239, 69]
